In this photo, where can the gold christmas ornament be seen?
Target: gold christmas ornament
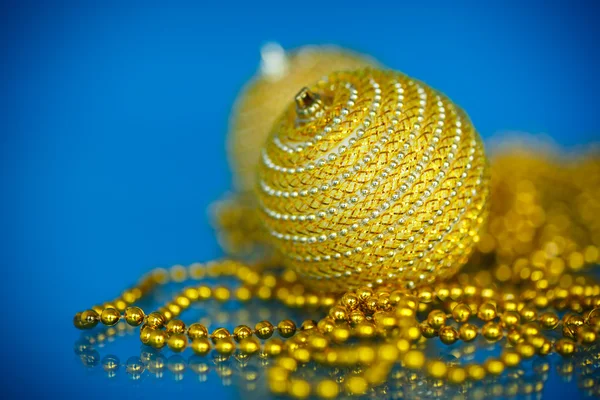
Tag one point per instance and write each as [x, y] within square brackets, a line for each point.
[281, 74]
[371, 177]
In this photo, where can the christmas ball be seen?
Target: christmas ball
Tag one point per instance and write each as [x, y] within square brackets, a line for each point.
[370, 177]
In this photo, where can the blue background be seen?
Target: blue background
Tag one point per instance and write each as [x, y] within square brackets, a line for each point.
[113, 120]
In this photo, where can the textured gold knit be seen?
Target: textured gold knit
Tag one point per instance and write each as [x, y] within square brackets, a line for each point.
[387, 182]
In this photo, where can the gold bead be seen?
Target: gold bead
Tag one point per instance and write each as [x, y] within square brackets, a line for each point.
[243, 294]
[528, 313]
[427, 330]
[436, 319]
[365, 330]
[201, 346]
[510, 358]
[174, 309]
[183, 302]
[325, 325]
[327, 389]
[197, 331]
[318, 342]
[308, 324]
[511, 319]
[241, 332]
[110, 316]
[457, 375]
[338, 313]
[494, 367]
[155, 320]
[134, 316]
[388, 353]
[467, 332]
[264, 329]
[475, 372]
[340, 334]
[486, 312]
[145, 333]
[287, 363]
[405, 312]
[298, 388]
[350, 301]
[492, 331]
[89, 319]
[177, 342]
[157, 339]
[273, 347]
[564, 346]
[356, 385]
[525, 350]
[175, 326]
[204, 292]
[545, 348]
[286, 328]
[301, 354]
[77, 322]
[437, 369]
[586, 334]
[549, 320]
[220, 334]
[414, 359]
[413, 334]
[366, 354]
[356, 317]
[221, 294]
[514, 337]
[249, 345]
[225, 346]
[461, 313]
[448, 335]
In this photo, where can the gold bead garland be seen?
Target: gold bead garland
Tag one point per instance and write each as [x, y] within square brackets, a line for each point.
[386, 181]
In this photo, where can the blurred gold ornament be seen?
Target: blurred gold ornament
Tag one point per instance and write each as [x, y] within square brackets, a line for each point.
[372, 177]
[261, 101]
[545, 210]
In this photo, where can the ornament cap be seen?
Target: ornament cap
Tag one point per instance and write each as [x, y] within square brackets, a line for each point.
[307, 104]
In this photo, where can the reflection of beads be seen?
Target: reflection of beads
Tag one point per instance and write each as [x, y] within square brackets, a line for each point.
[385, 181]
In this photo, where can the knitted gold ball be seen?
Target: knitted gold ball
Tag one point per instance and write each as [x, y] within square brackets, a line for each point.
[372, 177]
[265, 97]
